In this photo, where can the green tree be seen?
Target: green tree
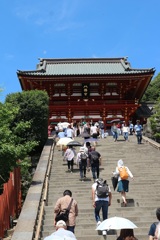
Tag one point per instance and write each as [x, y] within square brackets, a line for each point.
[152, 93]
[12, 146]
[33, 108]
[155, 121]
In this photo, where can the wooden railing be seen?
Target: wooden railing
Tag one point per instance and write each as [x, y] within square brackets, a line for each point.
[44, 197]
[10, 201]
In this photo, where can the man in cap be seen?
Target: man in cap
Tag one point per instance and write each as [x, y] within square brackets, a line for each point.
[138, 131]
[61, 231]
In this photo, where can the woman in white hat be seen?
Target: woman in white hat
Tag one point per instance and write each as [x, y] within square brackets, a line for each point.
[123, 174]
[82, 162]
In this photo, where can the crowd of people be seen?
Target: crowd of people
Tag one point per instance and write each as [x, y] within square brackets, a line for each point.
[97, 129]
[126, 130]
[89, 159]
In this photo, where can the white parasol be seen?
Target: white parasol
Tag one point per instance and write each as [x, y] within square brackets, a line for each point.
[116, 223]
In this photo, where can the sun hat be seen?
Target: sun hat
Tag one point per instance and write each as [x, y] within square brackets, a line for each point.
[60, 223]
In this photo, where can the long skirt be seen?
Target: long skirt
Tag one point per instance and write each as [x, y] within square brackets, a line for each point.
[123, 186]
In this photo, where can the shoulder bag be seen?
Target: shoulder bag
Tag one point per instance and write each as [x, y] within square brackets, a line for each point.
[64, 214]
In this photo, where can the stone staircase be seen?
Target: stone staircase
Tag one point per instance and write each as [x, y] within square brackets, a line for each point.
[143, 197]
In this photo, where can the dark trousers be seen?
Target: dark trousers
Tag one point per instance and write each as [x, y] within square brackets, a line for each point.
[70, 228]
[82, 169]
[101, 204]
[139, 138]
[95, 171]
[70, 164]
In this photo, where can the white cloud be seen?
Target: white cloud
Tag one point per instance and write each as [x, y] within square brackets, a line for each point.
[8, 56]
[53, 15]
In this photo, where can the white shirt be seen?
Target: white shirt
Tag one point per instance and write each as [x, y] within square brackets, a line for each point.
[125, 129]
[69, 153]
[93, 129]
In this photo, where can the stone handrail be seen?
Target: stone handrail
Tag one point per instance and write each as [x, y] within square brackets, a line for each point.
[152, 142]
[28, 216]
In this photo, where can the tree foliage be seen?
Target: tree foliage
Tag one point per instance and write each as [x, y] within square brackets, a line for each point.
[155, 121]
[152, 93]
[23, 127]
[12, 147]
[33, 107]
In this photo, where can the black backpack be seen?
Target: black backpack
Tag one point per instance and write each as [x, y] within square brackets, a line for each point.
[102, 189]
[83, 157]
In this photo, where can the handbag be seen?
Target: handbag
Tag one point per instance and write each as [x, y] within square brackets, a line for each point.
[64, 214]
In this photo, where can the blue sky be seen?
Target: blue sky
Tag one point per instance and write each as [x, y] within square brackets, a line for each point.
[32, 29]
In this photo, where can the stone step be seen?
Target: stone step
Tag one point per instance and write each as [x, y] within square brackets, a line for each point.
[89, 231]
[136, 204]
[100, 237]
[85, 208]
[139, 221]
[142, 198]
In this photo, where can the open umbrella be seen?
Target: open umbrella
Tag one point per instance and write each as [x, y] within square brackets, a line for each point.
[91, 140]
[63, 124]
[115, 120]
[74, 143]
[55, 237]
[85, 135]
[116, 223]
[64, 141]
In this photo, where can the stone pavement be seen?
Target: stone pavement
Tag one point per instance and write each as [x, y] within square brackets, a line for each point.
[143, 197]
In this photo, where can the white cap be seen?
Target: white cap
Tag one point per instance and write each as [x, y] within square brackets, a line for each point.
[60, 223]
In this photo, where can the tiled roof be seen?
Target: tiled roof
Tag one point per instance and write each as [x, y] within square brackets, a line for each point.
[92, 66]
[143, 111]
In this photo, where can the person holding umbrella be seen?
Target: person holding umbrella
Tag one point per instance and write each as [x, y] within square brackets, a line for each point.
[126, 234]
[123, 173]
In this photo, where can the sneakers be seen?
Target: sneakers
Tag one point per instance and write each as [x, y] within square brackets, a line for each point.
[104, 233]
[98, 223]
